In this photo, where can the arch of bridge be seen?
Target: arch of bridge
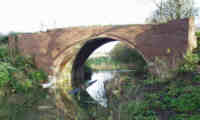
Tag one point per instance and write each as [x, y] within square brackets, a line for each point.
[55, 49]
[77, 70]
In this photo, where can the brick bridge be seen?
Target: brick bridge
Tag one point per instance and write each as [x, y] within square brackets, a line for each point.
[70, 47]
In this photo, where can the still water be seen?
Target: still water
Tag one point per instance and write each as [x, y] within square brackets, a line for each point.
[97, 90]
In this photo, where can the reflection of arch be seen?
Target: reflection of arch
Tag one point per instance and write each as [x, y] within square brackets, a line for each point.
[77, 72]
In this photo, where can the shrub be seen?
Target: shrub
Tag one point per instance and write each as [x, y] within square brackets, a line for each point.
[124, 54]
[4, 73]
[4, 57]
[3, 39]
[190, 63]
[18, 73]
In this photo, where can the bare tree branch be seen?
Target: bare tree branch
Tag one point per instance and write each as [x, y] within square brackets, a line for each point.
[172, 9]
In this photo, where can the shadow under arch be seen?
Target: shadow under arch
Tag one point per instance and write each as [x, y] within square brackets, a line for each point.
[77, 73]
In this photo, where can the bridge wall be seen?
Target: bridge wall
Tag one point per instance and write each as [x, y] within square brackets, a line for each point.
[54, 48]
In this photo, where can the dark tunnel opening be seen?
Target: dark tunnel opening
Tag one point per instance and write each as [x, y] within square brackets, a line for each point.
[78, 66]
[78, 71]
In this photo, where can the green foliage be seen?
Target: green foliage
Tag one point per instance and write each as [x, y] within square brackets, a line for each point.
[191, 59]
[103, 63]
[4, 53]
[4, 73]
[152, 79]
[124, 54]
[3, 39]
[190, 63]
[138, 111]
[196, 78]
[37, 75]
[20, 88]
[197, 34]
[197, 50]
[178, 96]
[87, 72]
[100, 60]
[18, 74]
[121, 57]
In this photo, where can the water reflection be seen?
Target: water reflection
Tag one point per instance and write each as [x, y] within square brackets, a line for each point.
[97, 90]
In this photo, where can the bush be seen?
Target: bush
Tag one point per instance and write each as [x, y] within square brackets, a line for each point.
[4, 57]
[124, 54]
[190, 63]
[3, 39]
[18, 73]
[4, 73]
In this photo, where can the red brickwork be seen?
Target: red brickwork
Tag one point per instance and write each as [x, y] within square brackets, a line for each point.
[56, 47]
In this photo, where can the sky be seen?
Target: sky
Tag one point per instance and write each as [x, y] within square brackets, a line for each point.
[39, 15]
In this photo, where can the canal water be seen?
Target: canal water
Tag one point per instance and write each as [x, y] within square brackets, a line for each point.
[97, 90]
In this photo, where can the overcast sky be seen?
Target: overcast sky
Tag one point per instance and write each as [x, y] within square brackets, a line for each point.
[36, 15]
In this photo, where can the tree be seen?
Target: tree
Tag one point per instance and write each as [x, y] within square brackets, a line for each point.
[171, 10]
[3, 38]
[124, 54]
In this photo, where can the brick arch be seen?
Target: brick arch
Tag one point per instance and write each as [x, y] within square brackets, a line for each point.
[77, 72]
[67, 58]
[56, 47]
